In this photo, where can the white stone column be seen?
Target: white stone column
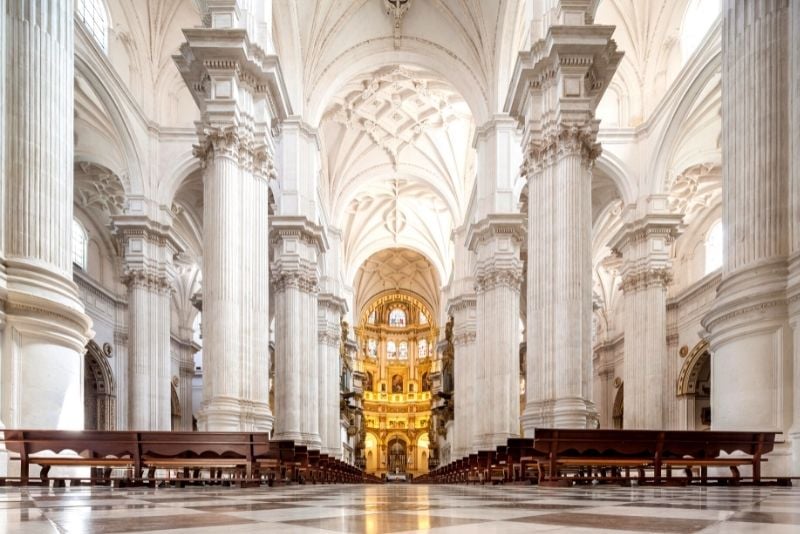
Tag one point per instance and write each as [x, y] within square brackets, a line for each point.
[749, 333]
[239, 93]
[496, 240]
[149, 251]
[45, 327]
[794, 265]
[646, 245]
[297, 244]
[462, 310]
[329, 334]
[550, 94]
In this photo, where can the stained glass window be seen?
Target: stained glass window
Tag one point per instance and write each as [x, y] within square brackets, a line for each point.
[422, 348]
[403, 350]
[372, 348]
[397, 317]
[391, 349]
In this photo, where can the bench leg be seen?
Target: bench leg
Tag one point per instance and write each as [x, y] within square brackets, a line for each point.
[43, 475]
[736, 475]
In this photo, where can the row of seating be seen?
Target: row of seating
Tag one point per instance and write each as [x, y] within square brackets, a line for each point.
[567, 456]
[134, 458]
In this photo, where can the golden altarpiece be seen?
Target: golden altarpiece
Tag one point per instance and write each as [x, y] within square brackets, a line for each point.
[397, 361]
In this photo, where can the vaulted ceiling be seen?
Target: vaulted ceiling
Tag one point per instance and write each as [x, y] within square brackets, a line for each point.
[398, 163]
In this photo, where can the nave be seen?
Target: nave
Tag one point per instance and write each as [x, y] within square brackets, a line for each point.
[401, 509]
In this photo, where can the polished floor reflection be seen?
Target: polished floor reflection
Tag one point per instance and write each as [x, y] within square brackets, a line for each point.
[401, 508]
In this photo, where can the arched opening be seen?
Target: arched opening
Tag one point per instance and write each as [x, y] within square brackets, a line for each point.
[99, 389]
[619, 407]
[694, 387]
[398, 456]
[175, 405]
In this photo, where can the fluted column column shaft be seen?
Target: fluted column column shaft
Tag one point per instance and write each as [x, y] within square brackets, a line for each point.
[462, 309]
[149, 395]
[498, 276]
[550, 95]
[222, 289]
[329, 335]
[297, 243]
[45, 327]
[559, 289]
[645, 246]
[749, 329]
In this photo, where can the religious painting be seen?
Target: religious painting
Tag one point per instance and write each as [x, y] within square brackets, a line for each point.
[397, 384]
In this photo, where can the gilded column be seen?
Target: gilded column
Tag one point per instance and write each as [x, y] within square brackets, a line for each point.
[297, 244]
[749, 332]
[554, 91]
[645, 246]
[496, 240]
[45, 327]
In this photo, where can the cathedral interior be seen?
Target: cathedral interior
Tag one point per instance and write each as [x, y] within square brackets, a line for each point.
[398, 233]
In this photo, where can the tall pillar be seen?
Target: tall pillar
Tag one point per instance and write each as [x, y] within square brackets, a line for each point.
[794, 265]
[462, 310]
[330, 313]
[646, 245]
[149, 251]
[45, 327]
[496, 241]
[749, 333]
[239, 94]
[297, 244]
[551, 94]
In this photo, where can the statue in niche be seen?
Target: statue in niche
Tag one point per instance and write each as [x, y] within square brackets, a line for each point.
[368, 382]
[426, 382]
[397, 384]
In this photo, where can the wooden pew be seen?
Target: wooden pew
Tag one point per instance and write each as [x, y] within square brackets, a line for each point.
[95, 449]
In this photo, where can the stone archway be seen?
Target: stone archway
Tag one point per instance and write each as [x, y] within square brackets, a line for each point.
[694, 388]
[619, 408]
[99, 389]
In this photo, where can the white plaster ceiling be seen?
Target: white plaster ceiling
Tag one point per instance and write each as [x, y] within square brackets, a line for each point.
[398, 163]
[397, 269]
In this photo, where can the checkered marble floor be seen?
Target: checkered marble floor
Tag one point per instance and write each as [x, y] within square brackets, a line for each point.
[400, 509]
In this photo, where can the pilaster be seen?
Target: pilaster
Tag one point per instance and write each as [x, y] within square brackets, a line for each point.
[645, 246]
[329, 334]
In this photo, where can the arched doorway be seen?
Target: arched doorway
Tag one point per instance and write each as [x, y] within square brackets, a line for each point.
[694, 388]
[398, 458]
[619, 408]
[99, 389]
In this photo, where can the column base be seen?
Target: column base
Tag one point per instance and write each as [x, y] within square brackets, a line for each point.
[312, 441]
[569, 412]
[229, 414]
[489, 442]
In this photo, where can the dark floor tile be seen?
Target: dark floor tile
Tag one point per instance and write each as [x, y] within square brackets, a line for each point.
[618, 522]
[686, 506]
[241, 507]
[108, 525]
[768, 517]
[382, 522]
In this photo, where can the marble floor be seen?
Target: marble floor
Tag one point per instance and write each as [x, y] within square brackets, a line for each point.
[400, 508]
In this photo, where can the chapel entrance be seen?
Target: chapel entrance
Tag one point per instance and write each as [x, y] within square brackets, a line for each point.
[397, 456]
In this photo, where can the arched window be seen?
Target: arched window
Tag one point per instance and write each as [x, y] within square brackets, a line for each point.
[372, 348]
[391, 349]
[699, 16]
[371, 318]
[422, 348]
[403, 350]
[397, 317]
[80, 241]
[94, 16]
[714, 248]
[422, 318]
